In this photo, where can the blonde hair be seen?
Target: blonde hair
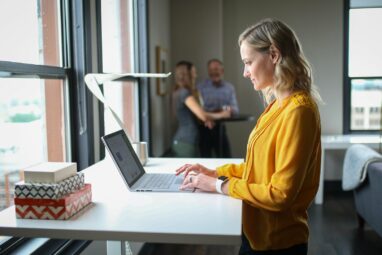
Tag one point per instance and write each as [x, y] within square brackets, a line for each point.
[292, 71]
[191, 84]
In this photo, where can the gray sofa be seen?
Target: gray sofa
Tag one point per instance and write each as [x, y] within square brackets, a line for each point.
[368, 198]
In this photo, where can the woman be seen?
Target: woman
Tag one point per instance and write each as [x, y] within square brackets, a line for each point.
[188, 110]
[280, 175]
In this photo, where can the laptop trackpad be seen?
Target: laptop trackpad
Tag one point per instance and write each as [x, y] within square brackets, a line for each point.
[179, 180]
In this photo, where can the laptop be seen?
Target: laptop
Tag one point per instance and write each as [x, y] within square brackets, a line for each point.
[131, 169]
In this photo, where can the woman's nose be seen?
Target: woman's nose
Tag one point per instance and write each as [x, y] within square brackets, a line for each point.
[245, 73]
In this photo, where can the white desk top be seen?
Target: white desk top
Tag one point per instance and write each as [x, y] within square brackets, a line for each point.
[345, 141]
[117, 214]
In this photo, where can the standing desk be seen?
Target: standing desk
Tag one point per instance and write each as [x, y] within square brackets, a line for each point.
[117, 214]
[341, 142]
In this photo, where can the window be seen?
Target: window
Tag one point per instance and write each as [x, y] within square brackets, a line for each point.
[31, 124]
[31, 32]
[46, 112]
[33, 90]
[363, 68]
[374, 110]
[118, 57]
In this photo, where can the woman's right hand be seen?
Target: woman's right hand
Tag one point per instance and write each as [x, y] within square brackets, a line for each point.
[195, 168]
[226, 113]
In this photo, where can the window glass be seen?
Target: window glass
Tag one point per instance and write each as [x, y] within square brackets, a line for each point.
[364, 66]
[117, 57]
[32, 128]
[119, 96]
[365, 51]
[32, 125]
[30, 31]
[366, 101]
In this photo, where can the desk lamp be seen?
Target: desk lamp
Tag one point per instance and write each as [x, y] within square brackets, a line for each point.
[94, 80]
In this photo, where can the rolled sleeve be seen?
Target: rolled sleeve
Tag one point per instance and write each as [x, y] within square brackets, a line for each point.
[231, 170]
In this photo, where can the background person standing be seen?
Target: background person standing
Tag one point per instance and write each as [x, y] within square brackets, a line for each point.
[217, 94]
[188, 112]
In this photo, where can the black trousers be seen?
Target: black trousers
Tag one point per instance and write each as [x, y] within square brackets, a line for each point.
[214, 142]
[245, 249]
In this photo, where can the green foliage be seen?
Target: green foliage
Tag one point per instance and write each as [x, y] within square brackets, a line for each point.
[20, 117]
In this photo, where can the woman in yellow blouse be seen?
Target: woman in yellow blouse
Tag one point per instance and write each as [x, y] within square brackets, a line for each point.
[280, 175]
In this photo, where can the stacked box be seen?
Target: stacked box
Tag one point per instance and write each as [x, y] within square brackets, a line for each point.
[49, 172]
[53, 209]
[49, 190]
[52, 191]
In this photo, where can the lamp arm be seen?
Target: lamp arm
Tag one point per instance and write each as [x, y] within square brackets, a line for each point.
[93, 85]
[105, 77]
[94, 80]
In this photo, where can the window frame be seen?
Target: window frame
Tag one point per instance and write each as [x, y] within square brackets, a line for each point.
[79, 59]
[10, 69]
[346, 78]
[141, 38]
[77, 35]
[140, 65]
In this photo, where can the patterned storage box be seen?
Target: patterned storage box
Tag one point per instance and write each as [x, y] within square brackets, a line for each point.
[53, 209]
[49, 190]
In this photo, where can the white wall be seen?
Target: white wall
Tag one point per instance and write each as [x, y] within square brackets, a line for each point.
[200, 30]
[319, 26]
[196, 32]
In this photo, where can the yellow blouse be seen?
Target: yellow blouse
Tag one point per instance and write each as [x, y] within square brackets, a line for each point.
[280, 175]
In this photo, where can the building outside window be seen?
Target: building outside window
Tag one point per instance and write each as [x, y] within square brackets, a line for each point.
[363, 70]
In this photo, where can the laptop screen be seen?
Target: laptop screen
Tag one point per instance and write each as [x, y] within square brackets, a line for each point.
[124, 156]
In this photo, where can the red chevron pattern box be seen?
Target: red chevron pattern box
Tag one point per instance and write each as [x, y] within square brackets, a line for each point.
[53, 209]
[49, 190]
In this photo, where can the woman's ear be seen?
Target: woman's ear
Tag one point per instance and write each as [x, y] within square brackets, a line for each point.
[275, 54]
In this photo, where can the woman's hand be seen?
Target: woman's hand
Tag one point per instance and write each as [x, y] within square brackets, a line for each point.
[223, 114]
[226, 113]
[196, 169]
[199, 181]
[209, 124]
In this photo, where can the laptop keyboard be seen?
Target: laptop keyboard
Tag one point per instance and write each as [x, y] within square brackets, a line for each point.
[159, 181]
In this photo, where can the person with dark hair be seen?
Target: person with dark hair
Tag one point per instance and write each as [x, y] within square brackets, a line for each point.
[188, 110]
[280, 175]
[216, 94]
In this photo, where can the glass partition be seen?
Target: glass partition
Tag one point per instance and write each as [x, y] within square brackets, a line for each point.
[30, 31]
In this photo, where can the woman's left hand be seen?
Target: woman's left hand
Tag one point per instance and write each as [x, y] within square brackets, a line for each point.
[199, 181]
[209, 124]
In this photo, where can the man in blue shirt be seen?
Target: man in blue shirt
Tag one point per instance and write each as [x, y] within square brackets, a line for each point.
[216, 95]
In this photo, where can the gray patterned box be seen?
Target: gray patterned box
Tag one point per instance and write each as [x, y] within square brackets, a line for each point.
[49, 190]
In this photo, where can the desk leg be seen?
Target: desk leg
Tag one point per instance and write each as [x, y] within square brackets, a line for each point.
[123, 247]
[116, 247]
[320, 193]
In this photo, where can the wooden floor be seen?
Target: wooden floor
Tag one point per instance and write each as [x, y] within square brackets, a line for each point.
[333, 231]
